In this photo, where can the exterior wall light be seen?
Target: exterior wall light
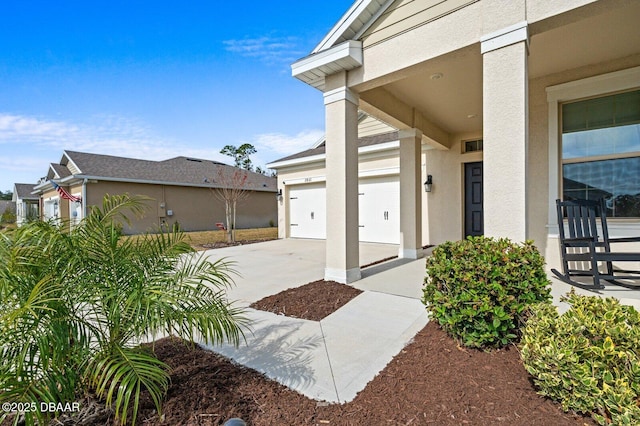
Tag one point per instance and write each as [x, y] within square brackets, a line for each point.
[428, 183]
[279, 195]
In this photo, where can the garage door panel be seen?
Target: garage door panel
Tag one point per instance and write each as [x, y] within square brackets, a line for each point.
[307, 211]
[379, 210]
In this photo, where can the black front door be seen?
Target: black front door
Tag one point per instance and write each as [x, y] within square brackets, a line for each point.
[473, 216]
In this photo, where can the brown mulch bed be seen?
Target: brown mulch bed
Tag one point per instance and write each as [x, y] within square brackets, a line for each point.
[433, 381]
[312, 301]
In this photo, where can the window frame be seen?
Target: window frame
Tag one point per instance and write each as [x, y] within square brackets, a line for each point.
[591, 87]
[593, 158]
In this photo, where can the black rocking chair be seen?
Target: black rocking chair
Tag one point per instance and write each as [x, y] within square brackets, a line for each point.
[585, 220]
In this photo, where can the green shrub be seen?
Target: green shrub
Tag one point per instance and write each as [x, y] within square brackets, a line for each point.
[75, 301]
[8, 216]
[588, 358]
[477, 289]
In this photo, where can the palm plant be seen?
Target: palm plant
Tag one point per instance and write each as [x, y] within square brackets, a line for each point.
[74, 305]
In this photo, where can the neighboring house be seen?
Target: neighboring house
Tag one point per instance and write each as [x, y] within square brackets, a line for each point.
[27, 203]
[181, 190]
[508, 105]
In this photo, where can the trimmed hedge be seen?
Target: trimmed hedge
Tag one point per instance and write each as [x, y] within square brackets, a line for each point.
[478, 289]
[588, 359]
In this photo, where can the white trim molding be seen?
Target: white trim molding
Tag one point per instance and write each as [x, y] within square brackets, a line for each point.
[342, 276]
[409, 133]
[314, 68]
[341, 94]
[389, 171]
[350, 17]
[573, 90]
[507, 36]
[410, 253]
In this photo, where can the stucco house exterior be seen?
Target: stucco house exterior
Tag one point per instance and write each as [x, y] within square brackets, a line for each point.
[302, 212]
[181, 190]
[508, 105]
[27, 203]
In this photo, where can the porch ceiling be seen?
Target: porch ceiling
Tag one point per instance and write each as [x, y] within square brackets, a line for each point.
[453, 102]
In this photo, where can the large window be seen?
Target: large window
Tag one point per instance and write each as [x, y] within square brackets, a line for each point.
[601, 152]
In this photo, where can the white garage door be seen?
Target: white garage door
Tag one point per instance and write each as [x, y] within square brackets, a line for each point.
[307, 211]
[379, 210]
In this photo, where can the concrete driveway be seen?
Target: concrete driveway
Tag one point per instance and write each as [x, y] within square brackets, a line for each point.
[270, 267]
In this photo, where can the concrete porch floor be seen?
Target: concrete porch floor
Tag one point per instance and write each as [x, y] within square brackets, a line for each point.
[334, 359]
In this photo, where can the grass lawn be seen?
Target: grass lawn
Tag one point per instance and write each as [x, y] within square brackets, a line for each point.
[8, 226]
[198, 239]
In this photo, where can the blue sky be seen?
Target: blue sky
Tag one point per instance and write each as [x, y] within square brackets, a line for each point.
[155, 79]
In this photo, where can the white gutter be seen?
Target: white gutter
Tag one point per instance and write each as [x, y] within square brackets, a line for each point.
[385, 146]
[155, 182]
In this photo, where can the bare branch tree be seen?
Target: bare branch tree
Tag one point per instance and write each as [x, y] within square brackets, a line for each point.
[232, 184]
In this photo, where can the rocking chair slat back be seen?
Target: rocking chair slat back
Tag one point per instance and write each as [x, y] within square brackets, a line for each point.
[588, 242]
[582, 218]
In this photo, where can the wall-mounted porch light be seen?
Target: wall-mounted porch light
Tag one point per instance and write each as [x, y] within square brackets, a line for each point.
[279, 195]
[428, 183]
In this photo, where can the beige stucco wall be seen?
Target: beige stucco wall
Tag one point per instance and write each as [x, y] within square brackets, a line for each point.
[443, 207]
[410, 49]
[195, 209]
[402, 15]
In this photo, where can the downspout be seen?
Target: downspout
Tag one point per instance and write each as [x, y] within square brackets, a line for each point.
[84, 198]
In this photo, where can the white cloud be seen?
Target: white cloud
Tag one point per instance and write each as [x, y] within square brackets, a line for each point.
[30, 144]
[104, 134]
[20, 163]
[282, 144]
[29, 129]
[266, 48]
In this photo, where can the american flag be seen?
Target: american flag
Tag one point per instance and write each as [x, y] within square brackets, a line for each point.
[64, 194]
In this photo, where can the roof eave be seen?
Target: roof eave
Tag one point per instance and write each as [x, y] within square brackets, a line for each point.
[65, 153]
[385, 146]
[314, 68]
[296, 161]
[161, 182]
[360, 16]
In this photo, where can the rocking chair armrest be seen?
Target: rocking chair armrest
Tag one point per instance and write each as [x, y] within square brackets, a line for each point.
[625, 240]
[580, 240]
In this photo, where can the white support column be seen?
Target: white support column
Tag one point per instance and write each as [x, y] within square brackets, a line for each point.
[341, 117]
[410, 194]
[506, 123]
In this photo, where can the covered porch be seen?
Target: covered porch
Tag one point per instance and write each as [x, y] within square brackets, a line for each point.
[477, 91]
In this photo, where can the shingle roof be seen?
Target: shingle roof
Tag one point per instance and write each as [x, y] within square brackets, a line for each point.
[24, 191]
[60, 170]
[178, 170]
[362, 142]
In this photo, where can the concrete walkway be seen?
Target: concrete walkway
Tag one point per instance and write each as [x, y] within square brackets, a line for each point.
[334, 359]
